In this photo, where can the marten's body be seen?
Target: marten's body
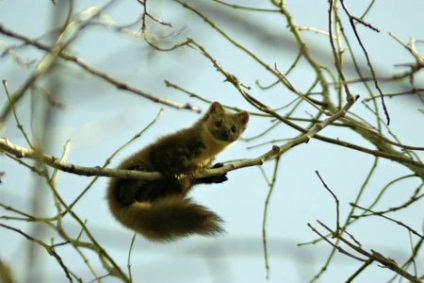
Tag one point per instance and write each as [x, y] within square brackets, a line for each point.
[159, 209]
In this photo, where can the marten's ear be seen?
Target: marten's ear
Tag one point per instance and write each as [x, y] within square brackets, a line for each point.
[215, 107]
[243, 117]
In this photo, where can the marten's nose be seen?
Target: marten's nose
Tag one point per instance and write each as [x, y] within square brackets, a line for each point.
[224, 136]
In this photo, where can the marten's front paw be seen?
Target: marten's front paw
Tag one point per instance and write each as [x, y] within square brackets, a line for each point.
[218, 165]
[219, 179]
[214, 179]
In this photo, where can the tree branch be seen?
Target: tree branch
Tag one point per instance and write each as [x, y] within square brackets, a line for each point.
[21, 152]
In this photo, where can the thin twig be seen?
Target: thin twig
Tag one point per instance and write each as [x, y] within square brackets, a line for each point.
[335, 199]
[49, 249]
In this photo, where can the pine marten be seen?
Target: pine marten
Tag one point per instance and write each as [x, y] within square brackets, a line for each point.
[159, 209]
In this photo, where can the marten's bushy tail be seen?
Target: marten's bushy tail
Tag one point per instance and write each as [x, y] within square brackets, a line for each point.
[168, 218]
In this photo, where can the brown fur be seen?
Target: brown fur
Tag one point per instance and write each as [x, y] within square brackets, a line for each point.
[159, 209]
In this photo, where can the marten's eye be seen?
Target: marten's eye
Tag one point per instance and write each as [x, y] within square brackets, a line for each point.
[233, 129]
[218, 123]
